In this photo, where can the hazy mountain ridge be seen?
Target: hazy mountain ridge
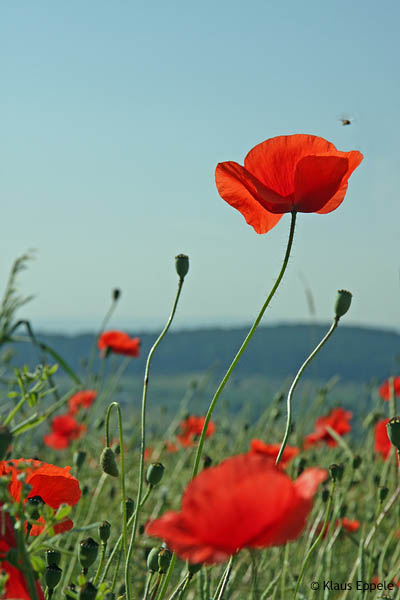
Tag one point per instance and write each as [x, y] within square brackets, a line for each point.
[353, 353]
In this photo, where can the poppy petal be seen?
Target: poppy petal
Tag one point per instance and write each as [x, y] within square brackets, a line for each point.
[239, 189]
[274, 161]
[316, 180]
[354, 157]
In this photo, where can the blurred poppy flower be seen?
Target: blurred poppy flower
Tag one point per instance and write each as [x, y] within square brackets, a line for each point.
[245, 502]
[288, 173]
[83, 399]
[15, 586]
[192, 428]
[54, 485]
[170, 447]
[384, 390]
[338, 420]
[119, 343]
[347, 524]
[382, 442]
[64, 429]
[272, 450]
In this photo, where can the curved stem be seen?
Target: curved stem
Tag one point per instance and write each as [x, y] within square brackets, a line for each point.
[244, 346]
[143, 437]
[317, 541]
[295, 382]
[224, 581]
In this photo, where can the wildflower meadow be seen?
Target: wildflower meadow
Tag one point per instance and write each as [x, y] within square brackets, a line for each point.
[98, 505]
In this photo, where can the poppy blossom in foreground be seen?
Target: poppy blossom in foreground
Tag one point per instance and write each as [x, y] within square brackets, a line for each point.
[244, 502]
[303, 173]
[382, 442]
[119, 343]
[272, 450]
[384, 390]
[54, 485]
[338, 420]
[191, 428]
[83, 399]
[64, 429]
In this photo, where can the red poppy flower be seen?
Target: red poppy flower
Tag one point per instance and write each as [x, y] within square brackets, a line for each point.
[338, 420]
[119, 343]
[382, 442]
[300, 172]
[191, 428]
[170, 447]
[245, 502]
[350, 525]
[83, 399]
[15, 586]
[64, 430]
[272, 450]
[384, 390]
[54, 485]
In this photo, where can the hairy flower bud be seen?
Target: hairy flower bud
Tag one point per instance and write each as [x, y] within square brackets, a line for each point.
[336, 472]
[33, 506]
[116, 294]
[393, 431]
[130, 505]
[154, 473]
[342, 303]
[79, 458]
[108, 462]
[152, 559]
[164, 558]
[357, 461]
[182, 265]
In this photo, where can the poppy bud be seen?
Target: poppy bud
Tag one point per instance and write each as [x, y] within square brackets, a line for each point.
[53, 557]
[5, 440]
[108, 462]
[79, 459]
[87, 592]
[116, 294]
[130, 505]
[393, 431]
[194, 568]
[33, 506]
[52, 576]
[117, 449]
[336, 472]
[383, 492]
[342, 303]
[301, 465]
[357, 460]
[207, 460]
[164, 558]
[154, 473]
[104, 531]
[152, 559]
[182, 265]
[88, 549]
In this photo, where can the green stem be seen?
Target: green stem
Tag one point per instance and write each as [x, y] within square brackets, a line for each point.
[224, 581]
[295, 382]
[122, 475]
[143, 438]
[24, 558]
[101, 562]
[317, 541]
[147, 586]
[243, 346]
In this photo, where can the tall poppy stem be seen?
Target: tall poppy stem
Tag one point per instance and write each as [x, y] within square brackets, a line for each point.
[143, 439]
[244, 346]
[296, 381]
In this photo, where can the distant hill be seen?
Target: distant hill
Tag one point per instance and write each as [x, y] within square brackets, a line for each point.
[356, 354]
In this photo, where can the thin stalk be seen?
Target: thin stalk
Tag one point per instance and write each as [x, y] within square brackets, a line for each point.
[295, 382]
[101, 562]
[122, 474]
[317, 541]
[224, 582]
[244, 346]
[143, 437]
[147, 586]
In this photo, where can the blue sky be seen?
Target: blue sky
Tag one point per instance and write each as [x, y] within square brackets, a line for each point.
[114, 116]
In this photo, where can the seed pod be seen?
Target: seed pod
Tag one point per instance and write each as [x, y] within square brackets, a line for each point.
[393, 431]
[104, 531]
[152, 559]
[342, 303]
[53, 557]
[164, 558]
[182, 265]
[88, 549]
[52, 576]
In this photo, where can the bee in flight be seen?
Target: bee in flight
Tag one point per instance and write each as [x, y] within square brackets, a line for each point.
[345, 121]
